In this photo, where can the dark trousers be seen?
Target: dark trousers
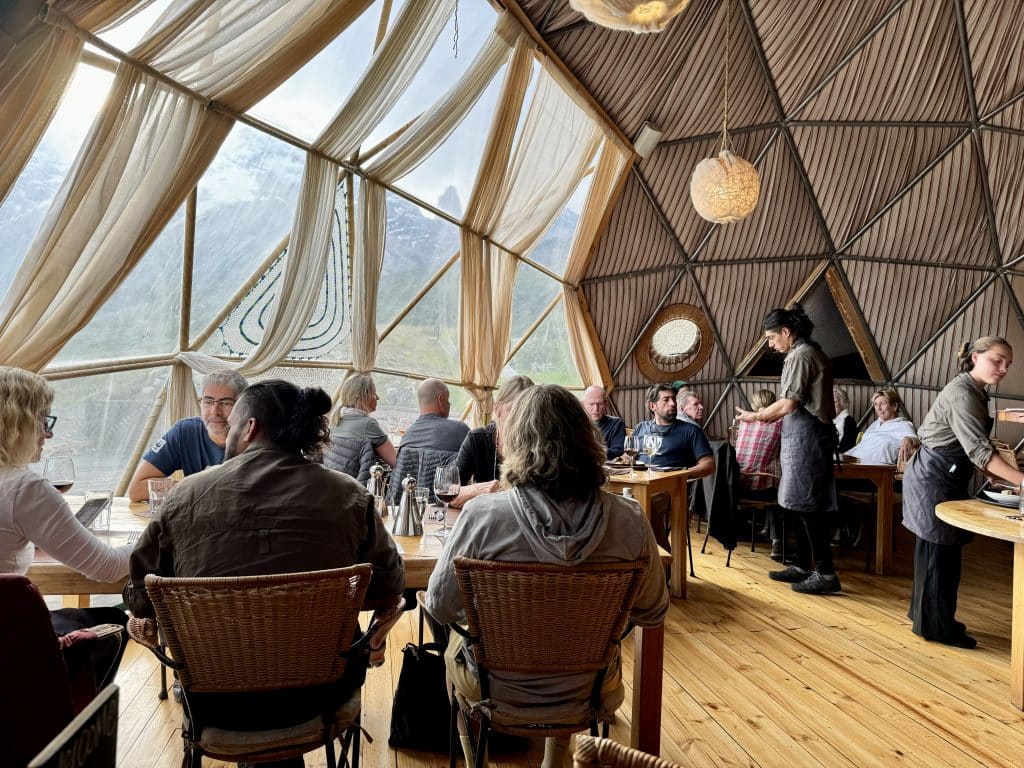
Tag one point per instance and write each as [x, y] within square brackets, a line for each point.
[105, 656]
[933, 596]
[812, 540]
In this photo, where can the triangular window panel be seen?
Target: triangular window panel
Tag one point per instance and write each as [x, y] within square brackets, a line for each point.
[831, 332]
[328, 334]
[545, 356]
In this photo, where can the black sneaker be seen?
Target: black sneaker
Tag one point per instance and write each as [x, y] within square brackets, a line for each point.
[791, 575]
[817, 584]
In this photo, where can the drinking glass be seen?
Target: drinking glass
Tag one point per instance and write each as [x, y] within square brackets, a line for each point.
[159, 487]
[422, 500]
[102, 521]
[652, 444]
[446, 487]
[60, 473]
[630, 448]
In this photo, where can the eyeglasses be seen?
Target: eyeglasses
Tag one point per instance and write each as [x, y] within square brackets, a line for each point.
[224, 402]
[48, 422]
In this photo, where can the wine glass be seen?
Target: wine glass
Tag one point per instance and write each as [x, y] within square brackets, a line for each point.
[652, 444]
[446, 487]
[60, 473]
[630, 448]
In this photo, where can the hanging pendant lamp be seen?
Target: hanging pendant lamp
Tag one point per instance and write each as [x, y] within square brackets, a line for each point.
[630, 15]
[725, 188]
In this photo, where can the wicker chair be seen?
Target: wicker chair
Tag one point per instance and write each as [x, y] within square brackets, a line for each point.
[602, 753]
[253, 634]
[542, 620]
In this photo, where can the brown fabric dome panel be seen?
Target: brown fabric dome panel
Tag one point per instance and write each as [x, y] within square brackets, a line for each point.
[856, 170]
[909, 70]
[889, 135]
[903, 304]
[635, 238]
[737, 308]
[941, 219]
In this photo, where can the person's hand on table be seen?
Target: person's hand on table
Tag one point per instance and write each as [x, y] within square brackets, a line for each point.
[468, 492]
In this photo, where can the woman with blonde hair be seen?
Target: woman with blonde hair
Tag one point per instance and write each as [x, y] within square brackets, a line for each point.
[34, 513]
[479, 457]
[954, 442]
[357, 399]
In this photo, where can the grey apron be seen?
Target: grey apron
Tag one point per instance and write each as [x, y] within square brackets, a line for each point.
[807, 483]
[932, 477]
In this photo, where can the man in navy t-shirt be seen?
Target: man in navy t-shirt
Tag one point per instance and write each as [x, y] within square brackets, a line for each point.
[682, 443]
[193, 444]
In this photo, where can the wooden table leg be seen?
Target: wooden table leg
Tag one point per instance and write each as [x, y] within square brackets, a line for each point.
[1017, 629]
[677, 538]
[648, 665]
[883, 528]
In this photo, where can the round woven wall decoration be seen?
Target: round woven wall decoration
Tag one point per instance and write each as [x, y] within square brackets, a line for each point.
[676, 345]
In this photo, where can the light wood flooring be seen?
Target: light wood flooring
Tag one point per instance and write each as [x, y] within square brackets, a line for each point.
[755, 675]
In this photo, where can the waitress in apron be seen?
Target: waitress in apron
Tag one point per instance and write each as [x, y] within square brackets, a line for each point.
[954, 440]
[806, 408]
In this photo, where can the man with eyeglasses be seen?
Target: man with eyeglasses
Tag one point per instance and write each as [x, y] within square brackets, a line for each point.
[193, 444]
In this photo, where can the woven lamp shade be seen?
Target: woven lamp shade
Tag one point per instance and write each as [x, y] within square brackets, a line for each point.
[725, 188]
[630, 15]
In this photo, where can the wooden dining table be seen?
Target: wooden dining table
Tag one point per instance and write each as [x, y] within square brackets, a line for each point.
[883, 476]
[644, 485]
[420, 554]
[1004, 523]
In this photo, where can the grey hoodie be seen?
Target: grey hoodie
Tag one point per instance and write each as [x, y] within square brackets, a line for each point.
[524, 525]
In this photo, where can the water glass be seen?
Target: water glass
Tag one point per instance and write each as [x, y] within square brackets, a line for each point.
[102, 521]
[159, 487]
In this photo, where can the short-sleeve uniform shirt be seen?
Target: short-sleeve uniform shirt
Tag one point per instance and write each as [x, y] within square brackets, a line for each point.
[807, 378]
[186, 446]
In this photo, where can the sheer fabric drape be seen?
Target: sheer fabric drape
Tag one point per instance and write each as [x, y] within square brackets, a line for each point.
[516, 199]
[146, 151]
[608, 177]
[401, 157]
[35, 69]
[387, 76]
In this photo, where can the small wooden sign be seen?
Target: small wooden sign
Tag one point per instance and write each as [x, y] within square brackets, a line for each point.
[89, 741]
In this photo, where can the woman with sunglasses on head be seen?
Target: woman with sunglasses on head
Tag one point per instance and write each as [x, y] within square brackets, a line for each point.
[34, 513]
[954, 441]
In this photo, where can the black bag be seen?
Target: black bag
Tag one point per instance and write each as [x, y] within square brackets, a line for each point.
[420, 713]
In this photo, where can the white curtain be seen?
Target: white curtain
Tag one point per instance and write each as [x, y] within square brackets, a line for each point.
[146, 151]
[556, 147]
[35, 67]
[387, 76]
[608, 179]
[400, 158]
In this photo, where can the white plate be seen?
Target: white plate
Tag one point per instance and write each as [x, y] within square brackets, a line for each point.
[1004, 499]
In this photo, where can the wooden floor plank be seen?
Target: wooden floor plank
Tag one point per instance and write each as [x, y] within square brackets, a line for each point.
[755, 675]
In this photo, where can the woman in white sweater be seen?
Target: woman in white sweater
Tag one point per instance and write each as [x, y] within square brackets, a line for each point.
[34, 513]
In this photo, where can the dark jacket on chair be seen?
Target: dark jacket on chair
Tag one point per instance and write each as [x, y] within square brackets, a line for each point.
[351, 456]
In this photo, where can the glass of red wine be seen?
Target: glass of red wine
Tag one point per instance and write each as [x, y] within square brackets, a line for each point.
[60, 473]
[446, 487]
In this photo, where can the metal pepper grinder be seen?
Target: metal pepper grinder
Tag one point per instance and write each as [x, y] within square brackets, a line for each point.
[407, 519]
[375, 485]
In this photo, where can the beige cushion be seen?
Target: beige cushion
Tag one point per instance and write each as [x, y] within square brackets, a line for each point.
[226, 743]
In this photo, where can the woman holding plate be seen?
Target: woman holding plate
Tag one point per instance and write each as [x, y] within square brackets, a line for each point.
[954, 440]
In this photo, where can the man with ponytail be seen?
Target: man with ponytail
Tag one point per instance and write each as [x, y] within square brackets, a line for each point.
[269, 508]
[806, 408]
